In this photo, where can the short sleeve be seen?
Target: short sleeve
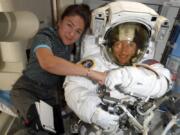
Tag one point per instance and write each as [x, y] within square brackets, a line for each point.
[41, 41]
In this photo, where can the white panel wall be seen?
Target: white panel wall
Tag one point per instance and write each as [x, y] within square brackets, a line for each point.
[10, 71]
[95, 3]
[42, 8]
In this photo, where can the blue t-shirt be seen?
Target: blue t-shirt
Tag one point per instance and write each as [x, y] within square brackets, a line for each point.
[46, 38]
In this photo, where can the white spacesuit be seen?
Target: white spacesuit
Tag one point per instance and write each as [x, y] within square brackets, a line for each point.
[137, 76]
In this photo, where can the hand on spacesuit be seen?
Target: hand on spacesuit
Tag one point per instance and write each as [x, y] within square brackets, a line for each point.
[138, 81]
[105, 120]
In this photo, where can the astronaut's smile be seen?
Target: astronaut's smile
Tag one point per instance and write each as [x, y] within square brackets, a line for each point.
[124, 51]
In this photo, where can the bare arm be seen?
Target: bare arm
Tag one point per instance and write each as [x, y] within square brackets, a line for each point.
[60, 66]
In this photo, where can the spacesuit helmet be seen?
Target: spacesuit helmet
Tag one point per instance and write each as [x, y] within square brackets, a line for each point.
[126, 43]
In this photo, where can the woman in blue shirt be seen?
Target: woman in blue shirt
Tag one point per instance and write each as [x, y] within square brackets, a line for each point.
[48, 64]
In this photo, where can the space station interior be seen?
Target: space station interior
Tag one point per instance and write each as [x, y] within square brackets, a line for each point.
[20, 20]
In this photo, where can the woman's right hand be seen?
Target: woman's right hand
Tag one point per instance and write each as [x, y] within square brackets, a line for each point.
[97, 76]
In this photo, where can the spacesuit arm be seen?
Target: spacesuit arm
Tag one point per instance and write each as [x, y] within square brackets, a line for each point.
[81, 97]
[141, 81]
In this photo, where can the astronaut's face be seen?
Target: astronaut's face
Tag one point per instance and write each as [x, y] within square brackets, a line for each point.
[123, 51]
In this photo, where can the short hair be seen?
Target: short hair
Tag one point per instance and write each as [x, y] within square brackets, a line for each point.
[81, 10]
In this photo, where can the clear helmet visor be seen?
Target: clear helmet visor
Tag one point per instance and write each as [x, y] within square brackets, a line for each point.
[126, 43]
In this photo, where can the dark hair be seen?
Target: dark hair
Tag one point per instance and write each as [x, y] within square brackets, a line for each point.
[81, 10]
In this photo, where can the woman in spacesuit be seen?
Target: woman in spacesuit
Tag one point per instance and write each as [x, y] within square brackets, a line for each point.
[124, 50]
[125, 45]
